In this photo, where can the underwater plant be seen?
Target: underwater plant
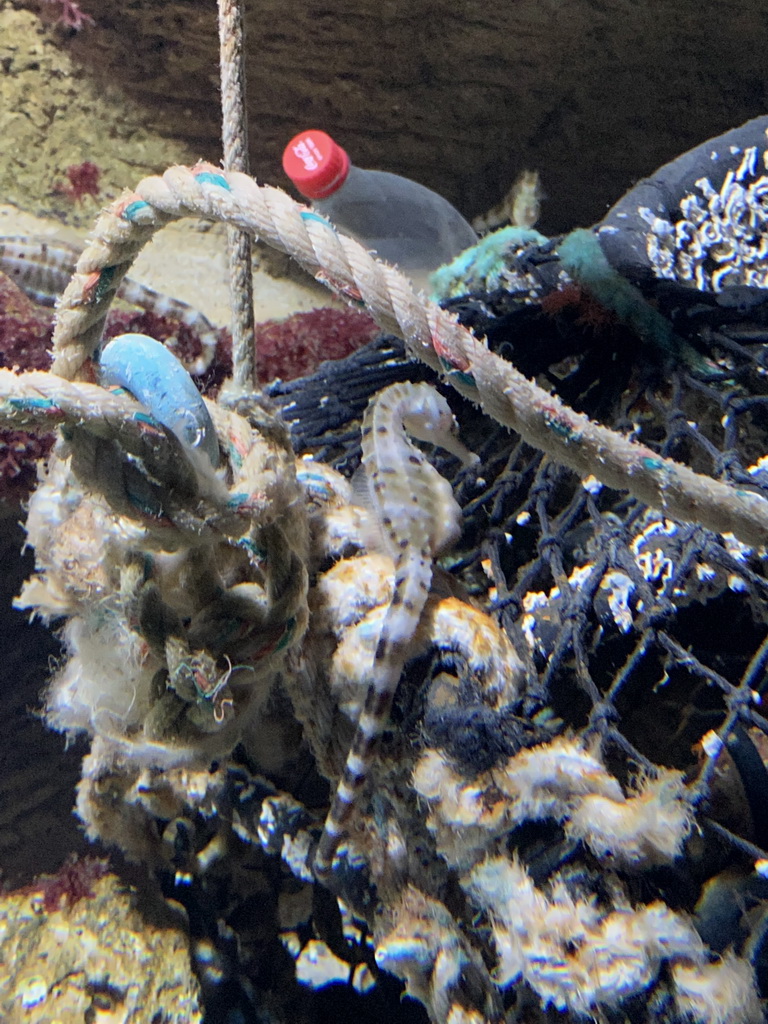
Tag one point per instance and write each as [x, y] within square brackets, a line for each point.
[82, 180]
[72, 882]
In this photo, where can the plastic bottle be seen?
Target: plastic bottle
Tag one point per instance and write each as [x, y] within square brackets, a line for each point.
[402, 221]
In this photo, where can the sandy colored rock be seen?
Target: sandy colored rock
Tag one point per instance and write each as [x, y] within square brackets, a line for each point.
[100, 960]
[53, 114]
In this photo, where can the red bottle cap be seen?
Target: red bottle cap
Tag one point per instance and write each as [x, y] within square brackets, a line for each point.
[316, 164]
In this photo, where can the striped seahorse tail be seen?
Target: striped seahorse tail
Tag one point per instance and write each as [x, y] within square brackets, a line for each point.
[413, 573]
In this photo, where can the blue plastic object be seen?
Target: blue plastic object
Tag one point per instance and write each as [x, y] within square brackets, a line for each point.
[156, 378]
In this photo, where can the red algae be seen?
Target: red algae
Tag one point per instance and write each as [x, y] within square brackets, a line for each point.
[296, 346]
[83, 180]
[26, 329]
[69, 14]
[586, 310]
[181, 339]
[25, 342]
[71, 883]
[19, 454]
[286, 349]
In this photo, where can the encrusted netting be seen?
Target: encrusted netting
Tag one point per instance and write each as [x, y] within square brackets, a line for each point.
[648, 632]
[566, 811]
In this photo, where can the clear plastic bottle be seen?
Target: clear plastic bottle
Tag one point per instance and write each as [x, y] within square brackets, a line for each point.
[402, 221]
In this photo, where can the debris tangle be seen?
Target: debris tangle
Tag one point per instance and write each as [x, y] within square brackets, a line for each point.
[570, 786]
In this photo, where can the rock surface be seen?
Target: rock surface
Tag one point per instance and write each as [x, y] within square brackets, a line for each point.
[461, 96]
[101, 959]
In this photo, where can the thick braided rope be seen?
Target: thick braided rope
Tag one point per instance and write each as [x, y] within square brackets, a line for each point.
[430, 334]
[39, 401]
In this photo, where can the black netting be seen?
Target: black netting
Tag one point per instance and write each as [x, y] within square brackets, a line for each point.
[649, 632]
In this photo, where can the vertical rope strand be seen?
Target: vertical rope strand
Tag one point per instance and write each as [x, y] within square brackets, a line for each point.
[234, 137]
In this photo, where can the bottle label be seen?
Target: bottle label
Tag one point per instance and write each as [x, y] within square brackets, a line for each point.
[308, 153]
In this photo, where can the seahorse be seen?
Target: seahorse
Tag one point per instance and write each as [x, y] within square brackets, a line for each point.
[520, 207]
[42, 269]
[418, 518]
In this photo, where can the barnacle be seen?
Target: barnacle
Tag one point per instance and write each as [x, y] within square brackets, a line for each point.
[719, 240]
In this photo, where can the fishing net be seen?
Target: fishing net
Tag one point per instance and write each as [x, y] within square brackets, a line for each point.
[644, 631]
[586, 835]
[635, 628]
